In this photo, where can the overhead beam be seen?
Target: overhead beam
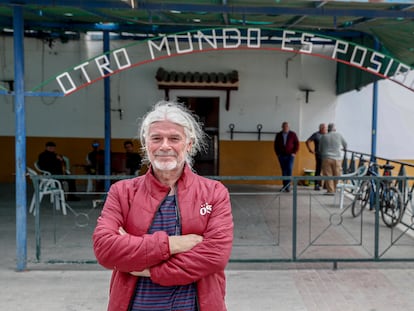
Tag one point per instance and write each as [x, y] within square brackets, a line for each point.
[297, 19]
[225, 15]
[223, 8]
[364, 20]
[318, 11]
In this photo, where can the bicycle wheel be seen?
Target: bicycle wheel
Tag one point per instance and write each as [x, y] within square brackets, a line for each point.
[391, 206]
[361, 198]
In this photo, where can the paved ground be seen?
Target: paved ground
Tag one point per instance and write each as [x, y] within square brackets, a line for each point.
[250, 286]
[370, 289]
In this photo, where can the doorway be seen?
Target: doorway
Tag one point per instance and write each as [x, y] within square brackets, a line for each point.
[207, 109]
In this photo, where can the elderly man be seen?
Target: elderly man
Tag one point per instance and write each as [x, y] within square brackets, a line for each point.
[315, 138]
[286, 146]
[330, 146]
[167, 235]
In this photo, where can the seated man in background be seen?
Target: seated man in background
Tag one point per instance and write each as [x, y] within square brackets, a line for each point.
[54, 163]
[133, 159]
[95, 165]
[95, 159]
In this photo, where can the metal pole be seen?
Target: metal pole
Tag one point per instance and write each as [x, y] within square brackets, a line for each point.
[374, 113]
[107, 100]
[38, 237]
[294, 218]
[377, 212]
[20, 140]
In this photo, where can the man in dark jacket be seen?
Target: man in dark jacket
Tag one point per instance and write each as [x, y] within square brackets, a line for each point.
[315, 138]
[50, 161]
[286, 145]
[133, 159]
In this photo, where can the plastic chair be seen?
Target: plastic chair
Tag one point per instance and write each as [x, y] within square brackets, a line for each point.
[67, 171]
[349, 184]
[37, 167]
[48, 186]
[67, 165]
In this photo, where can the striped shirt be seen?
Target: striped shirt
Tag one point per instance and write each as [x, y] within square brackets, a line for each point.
[151, 296]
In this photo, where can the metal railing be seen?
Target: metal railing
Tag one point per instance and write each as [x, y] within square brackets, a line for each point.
[270, 226]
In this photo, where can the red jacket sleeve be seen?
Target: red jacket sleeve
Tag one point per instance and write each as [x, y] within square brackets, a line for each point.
[125, 252]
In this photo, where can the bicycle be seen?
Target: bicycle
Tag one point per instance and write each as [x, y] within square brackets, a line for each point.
[391, 203]
[408, 198]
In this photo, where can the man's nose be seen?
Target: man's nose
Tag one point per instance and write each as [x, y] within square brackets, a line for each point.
[165, 143]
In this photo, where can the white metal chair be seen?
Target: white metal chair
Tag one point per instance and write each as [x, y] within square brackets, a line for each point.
[67, 171]
[350, 185]
[48, 186]
[37, 167]
[67, 165]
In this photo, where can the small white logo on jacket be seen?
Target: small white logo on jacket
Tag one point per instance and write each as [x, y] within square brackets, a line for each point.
[205, 209]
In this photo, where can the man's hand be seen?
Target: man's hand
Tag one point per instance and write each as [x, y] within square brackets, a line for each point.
[183, 243]
[143, 273]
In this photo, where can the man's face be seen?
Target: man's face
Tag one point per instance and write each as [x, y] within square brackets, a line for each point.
[285, 127]
[51, 148]
[129, 148]
[167, 145]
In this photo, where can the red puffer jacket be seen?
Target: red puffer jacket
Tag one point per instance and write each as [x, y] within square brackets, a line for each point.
[204, 209]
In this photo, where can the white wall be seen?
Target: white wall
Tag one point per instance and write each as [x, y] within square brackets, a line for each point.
[269, 93]
[395, 125]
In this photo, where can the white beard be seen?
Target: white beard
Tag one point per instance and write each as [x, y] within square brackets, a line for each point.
[165, 166]
[171, 164]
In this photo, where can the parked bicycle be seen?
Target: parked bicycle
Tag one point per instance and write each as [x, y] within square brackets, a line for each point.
[391, 203]
[408, 200]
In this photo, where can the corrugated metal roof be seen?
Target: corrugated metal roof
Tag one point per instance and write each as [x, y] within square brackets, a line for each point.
[390, 21]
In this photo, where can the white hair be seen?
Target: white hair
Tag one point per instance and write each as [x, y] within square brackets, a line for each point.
[178, 114]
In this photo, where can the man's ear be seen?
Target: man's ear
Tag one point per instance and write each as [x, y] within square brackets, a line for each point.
[189, 146]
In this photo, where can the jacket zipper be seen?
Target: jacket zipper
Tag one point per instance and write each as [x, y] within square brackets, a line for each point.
[178, 230]
[131, 302]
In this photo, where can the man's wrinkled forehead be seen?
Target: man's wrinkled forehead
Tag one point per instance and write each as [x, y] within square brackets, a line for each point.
[165, 126]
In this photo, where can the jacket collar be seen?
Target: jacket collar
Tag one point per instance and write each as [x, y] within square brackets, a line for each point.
[156, 187]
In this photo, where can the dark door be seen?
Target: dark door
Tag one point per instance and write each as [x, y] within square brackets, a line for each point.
[207, 109]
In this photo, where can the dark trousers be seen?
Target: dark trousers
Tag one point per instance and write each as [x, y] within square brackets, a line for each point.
[286, 164]
[318, 169]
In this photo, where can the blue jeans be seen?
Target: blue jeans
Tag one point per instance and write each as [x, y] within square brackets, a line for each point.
[286, 164]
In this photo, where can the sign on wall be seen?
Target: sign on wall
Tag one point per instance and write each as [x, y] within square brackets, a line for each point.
[208, 40]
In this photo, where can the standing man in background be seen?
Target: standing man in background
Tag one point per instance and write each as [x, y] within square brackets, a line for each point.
[315, 138]
[330, 146]
[286, 145]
